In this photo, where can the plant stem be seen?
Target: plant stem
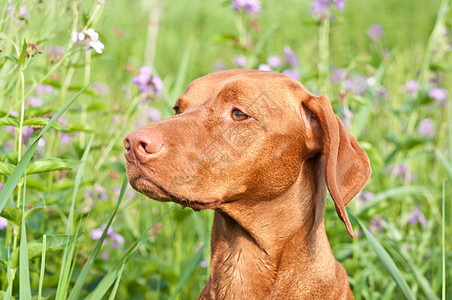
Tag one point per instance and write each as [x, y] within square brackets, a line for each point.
[324, 52]
[436, 32]
[153, 29]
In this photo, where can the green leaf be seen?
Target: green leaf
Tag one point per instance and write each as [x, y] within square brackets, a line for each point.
[64, 278]
[24, 275]
[43, 266]
[75, 293]
[386, 260]
[21, 59]
[395, 192]
[194, 262]
[6, 168]
[444, 162]
[15, 176]
[56, 242]
[50, 164]
[13, 214]
[4, 295]
[115, 273]
[9, 121]
[43, 122]
[38, 206]
[53, 243]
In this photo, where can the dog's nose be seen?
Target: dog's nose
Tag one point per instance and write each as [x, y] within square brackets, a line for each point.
[142, 144]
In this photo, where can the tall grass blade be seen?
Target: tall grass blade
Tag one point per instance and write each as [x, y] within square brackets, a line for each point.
[194, 263]
[444, 162]
[10, 282]
[182, 72]
[443, 241]
[75, 293]
[386, 260]
[63, 281]
[115, 272]
[115, 288]
[24, 279]
[43, 265]
[15, 176]
[398, 191]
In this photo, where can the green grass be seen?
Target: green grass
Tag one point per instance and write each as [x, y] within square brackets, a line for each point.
[55, 192]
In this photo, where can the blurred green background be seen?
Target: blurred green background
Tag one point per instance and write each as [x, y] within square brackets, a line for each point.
[406, 204]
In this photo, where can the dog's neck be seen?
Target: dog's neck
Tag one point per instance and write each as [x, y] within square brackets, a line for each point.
[282, 241]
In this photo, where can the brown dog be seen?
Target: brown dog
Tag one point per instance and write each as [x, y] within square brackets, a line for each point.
[260, 150]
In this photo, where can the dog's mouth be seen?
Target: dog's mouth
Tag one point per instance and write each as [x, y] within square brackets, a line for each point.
[155, 191]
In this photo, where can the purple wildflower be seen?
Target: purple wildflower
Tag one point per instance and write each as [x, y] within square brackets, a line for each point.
[127, 92]
[200, 246]
[320, 9]
[407, 247]
[27, 131]
[219, 65]
[412, 86]
[358, 233]
[54, 53]
[356, 85]
[131, 195]
[116, 190]
[96, 233]
[66, 139]
[376, 223]
[264, 67]
[101, 191]
[3, 223]
[339, 4]
[117, 237]
[292, 73]
[148, 83]
[417, 217]
[438, 94]
[14, 113]
[239, 61]
[153, 114]
[249, 6]
[101, 88]
[22, 13]
[104, 255]
[382, 92]
[375, 32]
[290, 57]
[426, 127]
[158, 85]
[338, 75]
[274, 61]
[62, 120]
[402, 171]
[43, 89]
[204, 263]
[348, 116]
[1, 186]
[34, 101]
[365, 196]
[9, 145]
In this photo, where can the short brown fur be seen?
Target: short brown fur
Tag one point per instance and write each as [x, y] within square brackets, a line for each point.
[265, 177]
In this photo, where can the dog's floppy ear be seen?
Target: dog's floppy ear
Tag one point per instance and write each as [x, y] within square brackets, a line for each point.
[346, 165]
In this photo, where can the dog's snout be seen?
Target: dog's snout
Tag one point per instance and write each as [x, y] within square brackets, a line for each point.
[142, 144]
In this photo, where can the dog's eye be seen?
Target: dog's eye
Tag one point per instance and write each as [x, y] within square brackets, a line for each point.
[238, 115]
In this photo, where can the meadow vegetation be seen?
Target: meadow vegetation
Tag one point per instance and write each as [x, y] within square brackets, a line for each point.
[77, 76]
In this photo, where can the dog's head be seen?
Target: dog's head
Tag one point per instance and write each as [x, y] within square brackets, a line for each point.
[243, 134]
